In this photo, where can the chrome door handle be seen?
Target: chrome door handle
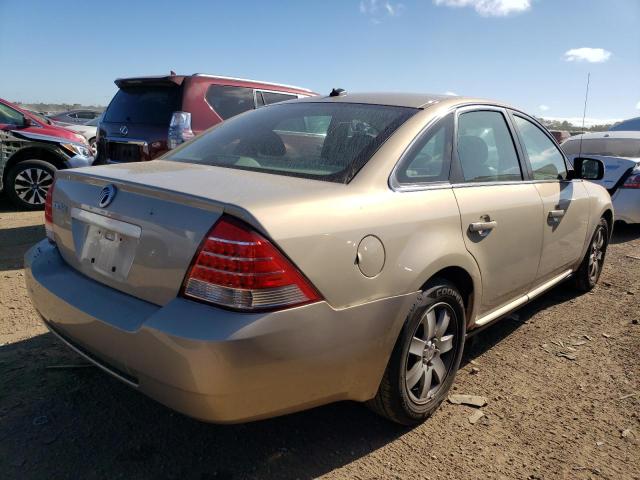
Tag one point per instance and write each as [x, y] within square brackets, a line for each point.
[555, 214]
[483, 227]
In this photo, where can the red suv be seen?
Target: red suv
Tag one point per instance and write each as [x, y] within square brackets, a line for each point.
[150, 115]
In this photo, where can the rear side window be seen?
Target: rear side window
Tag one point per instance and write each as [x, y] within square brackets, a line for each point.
[546, 160]
[485, 148]
[273, 97]
[323, 141]
[612, 147]
[150, 105]
[230, 101]
[428, 160]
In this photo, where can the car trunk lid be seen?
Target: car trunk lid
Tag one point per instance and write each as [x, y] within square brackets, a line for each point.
[143, 241]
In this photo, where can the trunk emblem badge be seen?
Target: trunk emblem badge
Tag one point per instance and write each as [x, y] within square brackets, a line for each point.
[124, 130]
[106, 196]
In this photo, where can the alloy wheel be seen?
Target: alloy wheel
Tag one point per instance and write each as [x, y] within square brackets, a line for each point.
[32, 184]
[431, 352]
[596, 255]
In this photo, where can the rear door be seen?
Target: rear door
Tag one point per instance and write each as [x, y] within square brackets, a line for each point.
[501, 213]
[565, 202]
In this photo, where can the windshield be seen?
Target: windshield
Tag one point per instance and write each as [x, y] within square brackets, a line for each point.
[611, 147]
[150, 105]
[324, 141]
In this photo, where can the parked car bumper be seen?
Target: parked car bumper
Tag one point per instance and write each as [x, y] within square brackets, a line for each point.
[626, 202]
[213, 364]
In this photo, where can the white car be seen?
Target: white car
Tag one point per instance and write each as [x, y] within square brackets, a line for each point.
[88, 131]
[620, 153]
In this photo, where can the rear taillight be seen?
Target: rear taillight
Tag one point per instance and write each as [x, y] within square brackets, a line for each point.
[239, 268]
[634, 179]
[179, 129]
[48, 212]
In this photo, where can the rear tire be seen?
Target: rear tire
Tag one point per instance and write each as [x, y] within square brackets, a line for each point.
[28, 183]
[425, 358]
[591, 267]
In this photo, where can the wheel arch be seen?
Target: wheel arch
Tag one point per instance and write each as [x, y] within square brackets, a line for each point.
[32, 153]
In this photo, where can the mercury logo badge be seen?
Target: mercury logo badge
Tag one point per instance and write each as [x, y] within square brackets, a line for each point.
[124, 130]
[106, 196]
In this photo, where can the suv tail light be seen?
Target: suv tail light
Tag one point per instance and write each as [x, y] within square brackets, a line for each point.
[239, 268]
[179, 129]
[633, 181]
[48, 212]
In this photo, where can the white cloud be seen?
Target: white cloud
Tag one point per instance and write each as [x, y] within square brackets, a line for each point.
[376, 9]
[453, 94]
[490, 8]
[638, 105]
[584, 54]
[588, 121]
[544, 108]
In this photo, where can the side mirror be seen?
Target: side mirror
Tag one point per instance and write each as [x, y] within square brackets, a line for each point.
[27, 122]
[588, 168]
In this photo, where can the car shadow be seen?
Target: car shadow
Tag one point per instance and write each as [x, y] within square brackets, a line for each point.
[624, 232]
[61, 415]
[6, 205]
[14, 243]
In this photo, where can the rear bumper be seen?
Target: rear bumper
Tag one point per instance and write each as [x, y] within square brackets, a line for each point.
[214, 364]
[626, 202]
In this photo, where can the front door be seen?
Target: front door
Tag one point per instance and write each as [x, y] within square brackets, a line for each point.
[565, 202]
[501, 215]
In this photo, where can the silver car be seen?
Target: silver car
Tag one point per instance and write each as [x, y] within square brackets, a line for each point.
[619, 151]
[312, 251]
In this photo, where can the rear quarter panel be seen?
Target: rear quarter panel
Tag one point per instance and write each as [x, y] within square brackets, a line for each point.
[420, 232]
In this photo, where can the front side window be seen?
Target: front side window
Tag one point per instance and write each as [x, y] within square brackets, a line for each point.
[323, 141]
[546, 160]
[9, 116]
[428, 160]
[230, 101]
[485, 148]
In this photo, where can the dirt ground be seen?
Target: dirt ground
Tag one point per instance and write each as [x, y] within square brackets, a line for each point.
[547, 417]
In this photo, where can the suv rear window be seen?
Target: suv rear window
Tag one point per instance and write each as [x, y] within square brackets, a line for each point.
[150, 105]
[323, 141]
[612, 147]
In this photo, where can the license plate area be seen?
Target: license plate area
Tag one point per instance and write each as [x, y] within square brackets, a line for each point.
[104, 245]
[123, 152]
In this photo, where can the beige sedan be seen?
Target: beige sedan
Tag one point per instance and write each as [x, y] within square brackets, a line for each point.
[333, 248]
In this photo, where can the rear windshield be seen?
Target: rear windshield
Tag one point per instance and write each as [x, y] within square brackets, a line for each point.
[324, 141]
[150, 105]
[612, 147]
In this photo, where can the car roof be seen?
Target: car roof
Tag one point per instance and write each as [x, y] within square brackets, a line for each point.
[179, 79]
[611, 134]
[411, 100]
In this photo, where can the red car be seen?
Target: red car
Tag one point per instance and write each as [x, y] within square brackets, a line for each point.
[150, 115]
[31, 150]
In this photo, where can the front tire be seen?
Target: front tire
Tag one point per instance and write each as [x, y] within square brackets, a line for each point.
[28, 183]
[425, 358]
[591, 267]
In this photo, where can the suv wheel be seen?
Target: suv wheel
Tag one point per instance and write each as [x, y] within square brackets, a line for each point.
[591, 267]
[425, 358]
[28, 183]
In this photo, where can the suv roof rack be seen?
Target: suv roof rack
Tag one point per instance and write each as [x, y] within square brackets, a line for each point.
[253, 81]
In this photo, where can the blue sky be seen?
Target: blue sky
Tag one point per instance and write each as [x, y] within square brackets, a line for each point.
[511, 50]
